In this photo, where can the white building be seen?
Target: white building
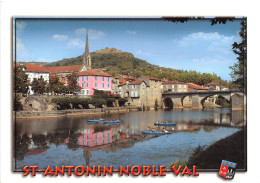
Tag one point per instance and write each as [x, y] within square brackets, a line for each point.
[35, 71]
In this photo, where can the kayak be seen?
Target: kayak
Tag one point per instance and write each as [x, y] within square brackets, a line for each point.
[113, 122]
[95, 120]
[164, 124]
[155, 133]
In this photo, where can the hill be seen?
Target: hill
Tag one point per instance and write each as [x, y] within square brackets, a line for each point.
[119, 62]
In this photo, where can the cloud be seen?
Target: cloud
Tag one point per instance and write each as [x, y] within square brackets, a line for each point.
[131, 32]
[140, 52]
[76, 42]
[212, 37]
[92, 33]
[59, 37]
[21, 51]
[20, 25]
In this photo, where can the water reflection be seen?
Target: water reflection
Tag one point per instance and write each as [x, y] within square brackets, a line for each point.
[41, 141]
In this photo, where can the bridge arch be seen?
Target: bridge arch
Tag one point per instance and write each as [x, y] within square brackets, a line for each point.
[214, 98]
[168, 103]
[186, 101]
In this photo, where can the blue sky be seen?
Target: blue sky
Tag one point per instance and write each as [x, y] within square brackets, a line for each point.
[194, 45]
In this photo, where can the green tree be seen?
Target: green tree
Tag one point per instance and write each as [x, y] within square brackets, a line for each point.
[239, 69]
[72, 82]
[21, 83]
[56, 86]
[39, 85]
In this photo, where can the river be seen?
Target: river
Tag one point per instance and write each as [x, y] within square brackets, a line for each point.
[72, 141]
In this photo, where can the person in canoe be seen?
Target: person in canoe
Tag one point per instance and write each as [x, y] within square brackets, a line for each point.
[166, 122]
[152, 130]
[163, 130]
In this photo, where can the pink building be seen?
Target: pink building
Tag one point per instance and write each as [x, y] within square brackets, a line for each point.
[91, 139]
[92, 79]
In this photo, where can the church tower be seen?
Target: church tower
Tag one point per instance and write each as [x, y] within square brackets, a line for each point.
[86, 56]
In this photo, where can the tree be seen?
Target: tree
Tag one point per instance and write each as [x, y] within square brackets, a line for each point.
[21, 83]
[72, 82]
[239, 69]
[39, 85]
[57, 86]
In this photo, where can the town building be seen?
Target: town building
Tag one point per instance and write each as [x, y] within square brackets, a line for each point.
[194, 87]
[93, 79]
[174, 86]
[135, 91]
[213, 86]
[154, 91]
[35, 72]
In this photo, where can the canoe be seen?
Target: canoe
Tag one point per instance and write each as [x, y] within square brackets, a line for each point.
[165, 124]
[95, 120]
[155, 133]
[113, 122]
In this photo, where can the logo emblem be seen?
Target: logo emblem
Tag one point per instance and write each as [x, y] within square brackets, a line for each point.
[227, 169]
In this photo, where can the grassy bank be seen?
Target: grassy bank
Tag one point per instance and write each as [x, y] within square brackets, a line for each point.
[231, 149]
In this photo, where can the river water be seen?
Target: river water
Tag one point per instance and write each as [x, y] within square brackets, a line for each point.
[72, 141]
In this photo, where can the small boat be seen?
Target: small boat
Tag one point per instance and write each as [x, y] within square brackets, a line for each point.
[155, 133]
[164, 124]
[113, 122]
[95, 120]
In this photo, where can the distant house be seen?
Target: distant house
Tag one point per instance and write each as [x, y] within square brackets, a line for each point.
[135, 91]
[35, 72]
[174, 86]
[194, 87]
[213, 86]
[93, 79]
[224, 88]
[154, 91]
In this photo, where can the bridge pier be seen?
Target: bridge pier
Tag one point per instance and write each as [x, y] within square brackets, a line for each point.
[238, 101]
[177, 104]
[196, 102]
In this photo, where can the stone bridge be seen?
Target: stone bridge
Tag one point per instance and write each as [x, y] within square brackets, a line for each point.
[236, 98]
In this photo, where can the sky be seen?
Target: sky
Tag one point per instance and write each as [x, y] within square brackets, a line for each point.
[194, 45]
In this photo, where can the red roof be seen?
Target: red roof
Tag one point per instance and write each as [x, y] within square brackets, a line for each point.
[122, 82]
[173, 82]
[93, 72]
[61, 69]
[34, 68]
[151, 78]
[138, 82]
[212, 84]
[197, 87]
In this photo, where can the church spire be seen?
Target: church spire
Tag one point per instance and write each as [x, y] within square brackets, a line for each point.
[86, 57]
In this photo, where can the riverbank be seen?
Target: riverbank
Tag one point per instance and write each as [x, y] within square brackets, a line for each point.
[72, 112]
[232, 148]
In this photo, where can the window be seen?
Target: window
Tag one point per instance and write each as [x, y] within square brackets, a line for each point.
[82, 85]
[172, 86]
[87, 137]
[95, 84]
[108, 85]
[136, 94]
[78, 83]
[103, 85]
[87, 144]
[82, 78]
[179, 86]
[108, 79]
[103, 78]
[78, 78]
[185, 86]
[87, 78]
[132, 93]
[95, 77]
[87, 84]
[143, 92]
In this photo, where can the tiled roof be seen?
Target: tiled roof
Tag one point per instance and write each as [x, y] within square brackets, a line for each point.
[138, 82]
[64, 69]
[93, 72]
[34, 68]
[173, 82]
[212, 83]
[122, 82]
[151, 78]
[198, 87]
